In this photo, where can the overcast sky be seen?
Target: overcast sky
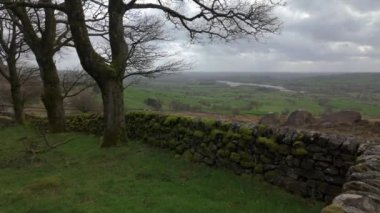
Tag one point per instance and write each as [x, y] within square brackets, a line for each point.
[319, 35]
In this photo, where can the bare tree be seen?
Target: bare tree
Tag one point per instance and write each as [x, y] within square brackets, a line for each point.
[46, 32]
[74, 82]
[12, 46]
[30, 83]
[214, 19]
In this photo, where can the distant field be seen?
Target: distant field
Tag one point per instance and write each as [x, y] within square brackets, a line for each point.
[317, 93]
[80, 177]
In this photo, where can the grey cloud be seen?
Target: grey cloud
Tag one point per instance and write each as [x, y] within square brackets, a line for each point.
[319, 35]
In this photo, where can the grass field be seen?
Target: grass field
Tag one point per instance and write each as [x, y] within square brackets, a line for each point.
[358, 92]
[80, 177]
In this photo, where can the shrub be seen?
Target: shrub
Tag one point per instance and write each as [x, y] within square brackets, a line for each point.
[85, 102]
[155, 104]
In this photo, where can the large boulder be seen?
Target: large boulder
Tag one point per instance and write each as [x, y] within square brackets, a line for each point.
[300, 118]
[271, 119]
[341, 117]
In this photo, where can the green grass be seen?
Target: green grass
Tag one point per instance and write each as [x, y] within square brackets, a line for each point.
[80, 177]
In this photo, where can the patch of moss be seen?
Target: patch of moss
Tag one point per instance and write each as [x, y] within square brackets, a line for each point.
[247, 164]
[188, 155]
[232, 136]
[231, 146]
[297, 144]
[209, 123]
[216, 134]
[184, 130]
[299, 152]
[235, 157]
[223, 153]
[173, 143]
[283, 149]
[261, 129]
[186, 120]
[246, 133]
[156, 126]
[170, 120]
[271, 175]
[180, 149]
[259, 169]
[198, 134]
[245, 156]
[265, 159]
[270, 143]
[333, 209]
[300, 137]
[212, 147]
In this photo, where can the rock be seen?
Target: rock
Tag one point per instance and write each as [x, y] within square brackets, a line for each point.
[296, 187]
[332, 171]
[270, 167]
[273, 177]
[335, 142]
[333, 209]
[307, 164]
[366, 158]
[235, 157]
[300, 118]
[322, 157]
[363, 176]
[372, 150]
[271, 119]
[361, 186]
[292, 174]
[315, 148]
[341, 117]
[353, 203]
[351, 146]
[364, 167]
[336, 180]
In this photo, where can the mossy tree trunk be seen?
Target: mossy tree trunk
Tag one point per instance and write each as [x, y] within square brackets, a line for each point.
[113, 108]
[52, 95]
[16, 93]
[109, 76]
[42, 39]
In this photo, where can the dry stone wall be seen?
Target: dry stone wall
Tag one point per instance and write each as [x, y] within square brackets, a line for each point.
[306, 163]
[361, 191]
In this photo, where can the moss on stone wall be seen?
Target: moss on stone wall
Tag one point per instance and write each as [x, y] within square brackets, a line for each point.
[256, 150]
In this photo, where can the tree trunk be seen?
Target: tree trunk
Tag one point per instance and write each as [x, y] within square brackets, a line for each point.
[52, 96]
[16, 94]
[18, 103]
[114, 114]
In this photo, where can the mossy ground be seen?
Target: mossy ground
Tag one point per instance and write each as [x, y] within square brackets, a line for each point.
[80, 177]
